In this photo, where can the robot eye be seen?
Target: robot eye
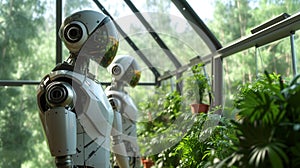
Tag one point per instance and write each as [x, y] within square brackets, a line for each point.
[73, 33]
[116, 70]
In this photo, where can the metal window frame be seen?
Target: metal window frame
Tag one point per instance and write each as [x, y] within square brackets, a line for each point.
[273, 32]
[197, 24]
[157, 39]
[270, 34]
[131, 43]
[153, 33]
[213, 44]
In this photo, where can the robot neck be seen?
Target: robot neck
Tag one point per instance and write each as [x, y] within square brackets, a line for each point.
[118, 86]
[71, 59]
[80, 64]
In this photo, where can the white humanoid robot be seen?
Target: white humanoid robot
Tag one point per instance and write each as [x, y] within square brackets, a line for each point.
[76, 115]
[125, 71]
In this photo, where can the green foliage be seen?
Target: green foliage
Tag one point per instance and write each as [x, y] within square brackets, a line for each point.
[233, 20]
[196, 84]
[159, 132]
[15, 17]
[208, 141]
[158, 5]
[268, 130]
[190, 148]
[204, 141]
[257, 101]
[19, 26]
[161, 112]
[13, 134]
[27, 52]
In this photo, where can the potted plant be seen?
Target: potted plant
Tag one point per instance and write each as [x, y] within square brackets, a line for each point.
[147, 163]
[196, 87]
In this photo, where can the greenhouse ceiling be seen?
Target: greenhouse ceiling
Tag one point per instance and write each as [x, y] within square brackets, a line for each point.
[168, 50]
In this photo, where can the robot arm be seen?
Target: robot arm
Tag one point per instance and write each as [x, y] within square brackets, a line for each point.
[58, 120]
[118, 146]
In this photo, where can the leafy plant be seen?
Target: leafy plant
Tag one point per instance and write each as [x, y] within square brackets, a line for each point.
[157, 131]
[190, 148]
[268, 130]
[209, 139]
[161, 111]
[219, 143]
[196, 84]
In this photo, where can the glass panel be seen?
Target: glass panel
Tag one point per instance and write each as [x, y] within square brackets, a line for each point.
[25, 52]
[173, 29]
[141, 38]
[229, 20]
[22, 141]
[276, 57]
[146, 75]
[204, 9]
[237, 69]
[243, 67]
[137, 33]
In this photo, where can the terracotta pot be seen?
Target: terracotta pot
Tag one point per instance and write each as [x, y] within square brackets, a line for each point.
[199, 108]
[147, 163]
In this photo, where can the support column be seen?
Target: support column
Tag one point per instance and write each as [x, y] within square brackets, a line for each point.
[294, 60]
[217, 83]
[58, 23]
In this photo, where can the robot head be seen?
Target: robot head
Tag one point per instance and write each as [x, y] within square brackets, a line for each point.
[90, 34]
[125, 69]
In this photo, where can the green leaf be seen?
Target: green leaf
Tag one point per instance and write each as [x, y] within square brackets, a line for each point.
[275, 159]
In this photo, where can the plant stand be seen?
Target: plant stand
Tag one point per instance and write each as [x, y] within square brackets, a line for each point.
[199, 108]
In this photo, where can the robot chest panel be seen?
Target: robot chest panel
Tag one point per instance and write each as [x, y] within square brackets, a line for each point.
[90, 153]
[129, 127]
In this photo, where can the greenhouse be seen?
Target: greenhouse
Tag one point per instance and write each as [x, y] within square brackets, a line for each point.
[153, 83]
